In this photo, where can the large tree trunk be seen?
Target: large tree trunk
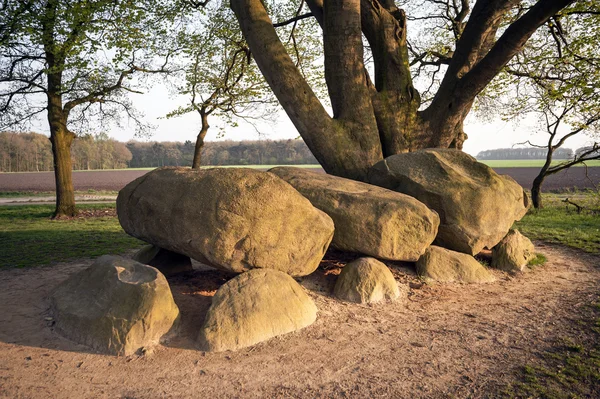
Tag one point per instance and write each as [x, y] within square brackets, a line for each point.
[536, 187]
[197, 162]
[536, 191]
[375, 120]
[344, 146]
[61, 139]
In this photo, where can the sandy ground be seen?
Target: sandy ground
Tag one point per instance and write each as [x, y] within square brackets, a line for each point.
[440, 341]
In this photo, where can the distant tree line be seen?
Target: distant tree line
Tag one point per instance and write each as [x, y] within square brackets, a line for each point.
[524, 153]
[263, 152]
[31, 152]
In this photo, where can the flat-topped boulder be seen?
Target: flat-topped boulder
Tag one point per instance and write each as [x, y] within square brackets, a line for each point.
[445, 266]
[513, 252]
[115, 306]
[476, 205]
[254, 307]
[235, 219]
[366, 280]
[368, 219]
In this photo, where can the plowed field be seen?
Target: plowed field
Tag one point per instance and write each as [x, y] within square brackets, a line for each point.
[579, 178]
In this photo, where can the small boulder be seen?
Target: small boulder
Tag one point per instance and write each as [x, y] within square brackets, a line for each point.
[167, 262]
[513, 252]
[476, 206]
[115, 306]
[235, 219]
[368, 219]
[446, 266]
[253, 307]
[366, 280]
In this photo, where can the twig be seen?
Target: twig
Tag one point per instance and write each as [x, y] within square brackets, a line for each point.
[568, 202]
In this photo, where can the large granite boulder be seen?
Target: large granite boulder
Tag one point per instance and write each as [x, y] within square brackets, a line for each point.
[253, 307]
[366, 280]
[368, 219]
[446, 266]
[477, 206]
[115, 306]
[167, 262]
[513, 252]
[235, 219]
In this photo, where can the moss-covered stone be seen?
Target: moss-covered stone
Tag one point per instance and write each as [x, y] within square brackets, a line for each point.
[513, 252]
[368, 219]
[235, 219]
[366, 280]
[446, 266]
[476, 206]
[253, 307]
[115, 306]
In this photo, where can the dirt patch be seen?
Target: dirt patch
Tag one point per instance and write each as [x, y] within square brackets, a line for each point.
[444, 341]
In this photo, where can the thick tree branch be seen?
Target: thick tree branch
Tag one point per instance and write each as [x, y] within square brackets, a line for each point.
[294, 19]
[509, 44]
[324, 136]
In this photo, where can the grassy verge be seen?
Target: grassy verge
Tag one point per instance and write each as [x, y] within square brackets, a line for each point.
[560, 223]
[28, 237]
[570, 370]
[21, 194]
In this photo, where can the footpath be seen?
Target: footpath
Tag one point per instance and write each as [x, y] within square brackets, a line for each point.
[88, 199]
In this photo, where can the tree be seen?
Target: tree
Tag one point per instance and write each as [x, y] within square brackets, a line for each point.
[218, 74]
[372, 120]
[557, 76]
[73, 60]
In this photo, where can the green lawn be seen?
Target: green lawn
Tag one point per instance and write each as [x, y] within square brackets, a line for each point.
[559, 223]
[20, 194]
[527, 163]
[569, 369]
[28, 237]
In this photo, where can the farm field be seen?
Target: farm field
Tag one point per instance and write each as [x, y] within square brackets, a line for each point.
[114, 180]
[529, 163]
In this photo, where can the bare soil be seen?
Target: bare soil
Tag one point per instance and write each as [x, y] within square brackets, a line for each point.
[114, 180]
[440, 341]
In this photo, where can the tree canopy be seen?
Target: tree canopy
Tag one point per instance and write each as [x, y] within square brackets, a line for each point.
[374, 117]
[74, 60]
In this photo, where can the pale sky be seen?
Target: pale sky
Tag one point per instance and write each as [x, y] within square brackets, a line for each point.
[157, 102]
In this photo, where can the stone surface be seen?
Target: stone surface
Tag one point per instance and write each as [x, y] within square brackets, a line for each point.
[513, 252]
[366, 280]
[235, 219]
[446, 266]
[253, 307]
[167, 262]
[476, 206]
[115, 306]
[368, 219]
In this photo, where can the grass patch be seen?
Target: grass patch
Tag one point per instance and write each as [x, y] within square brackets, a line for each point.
[569, 370]
[561, 224]
[539, 260]
[28, 237]
[35, 194]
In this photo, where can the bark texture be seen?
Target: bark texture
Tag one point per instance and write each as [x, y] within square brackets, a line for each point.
[197, 162]
[373, 120]
[61, 139]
